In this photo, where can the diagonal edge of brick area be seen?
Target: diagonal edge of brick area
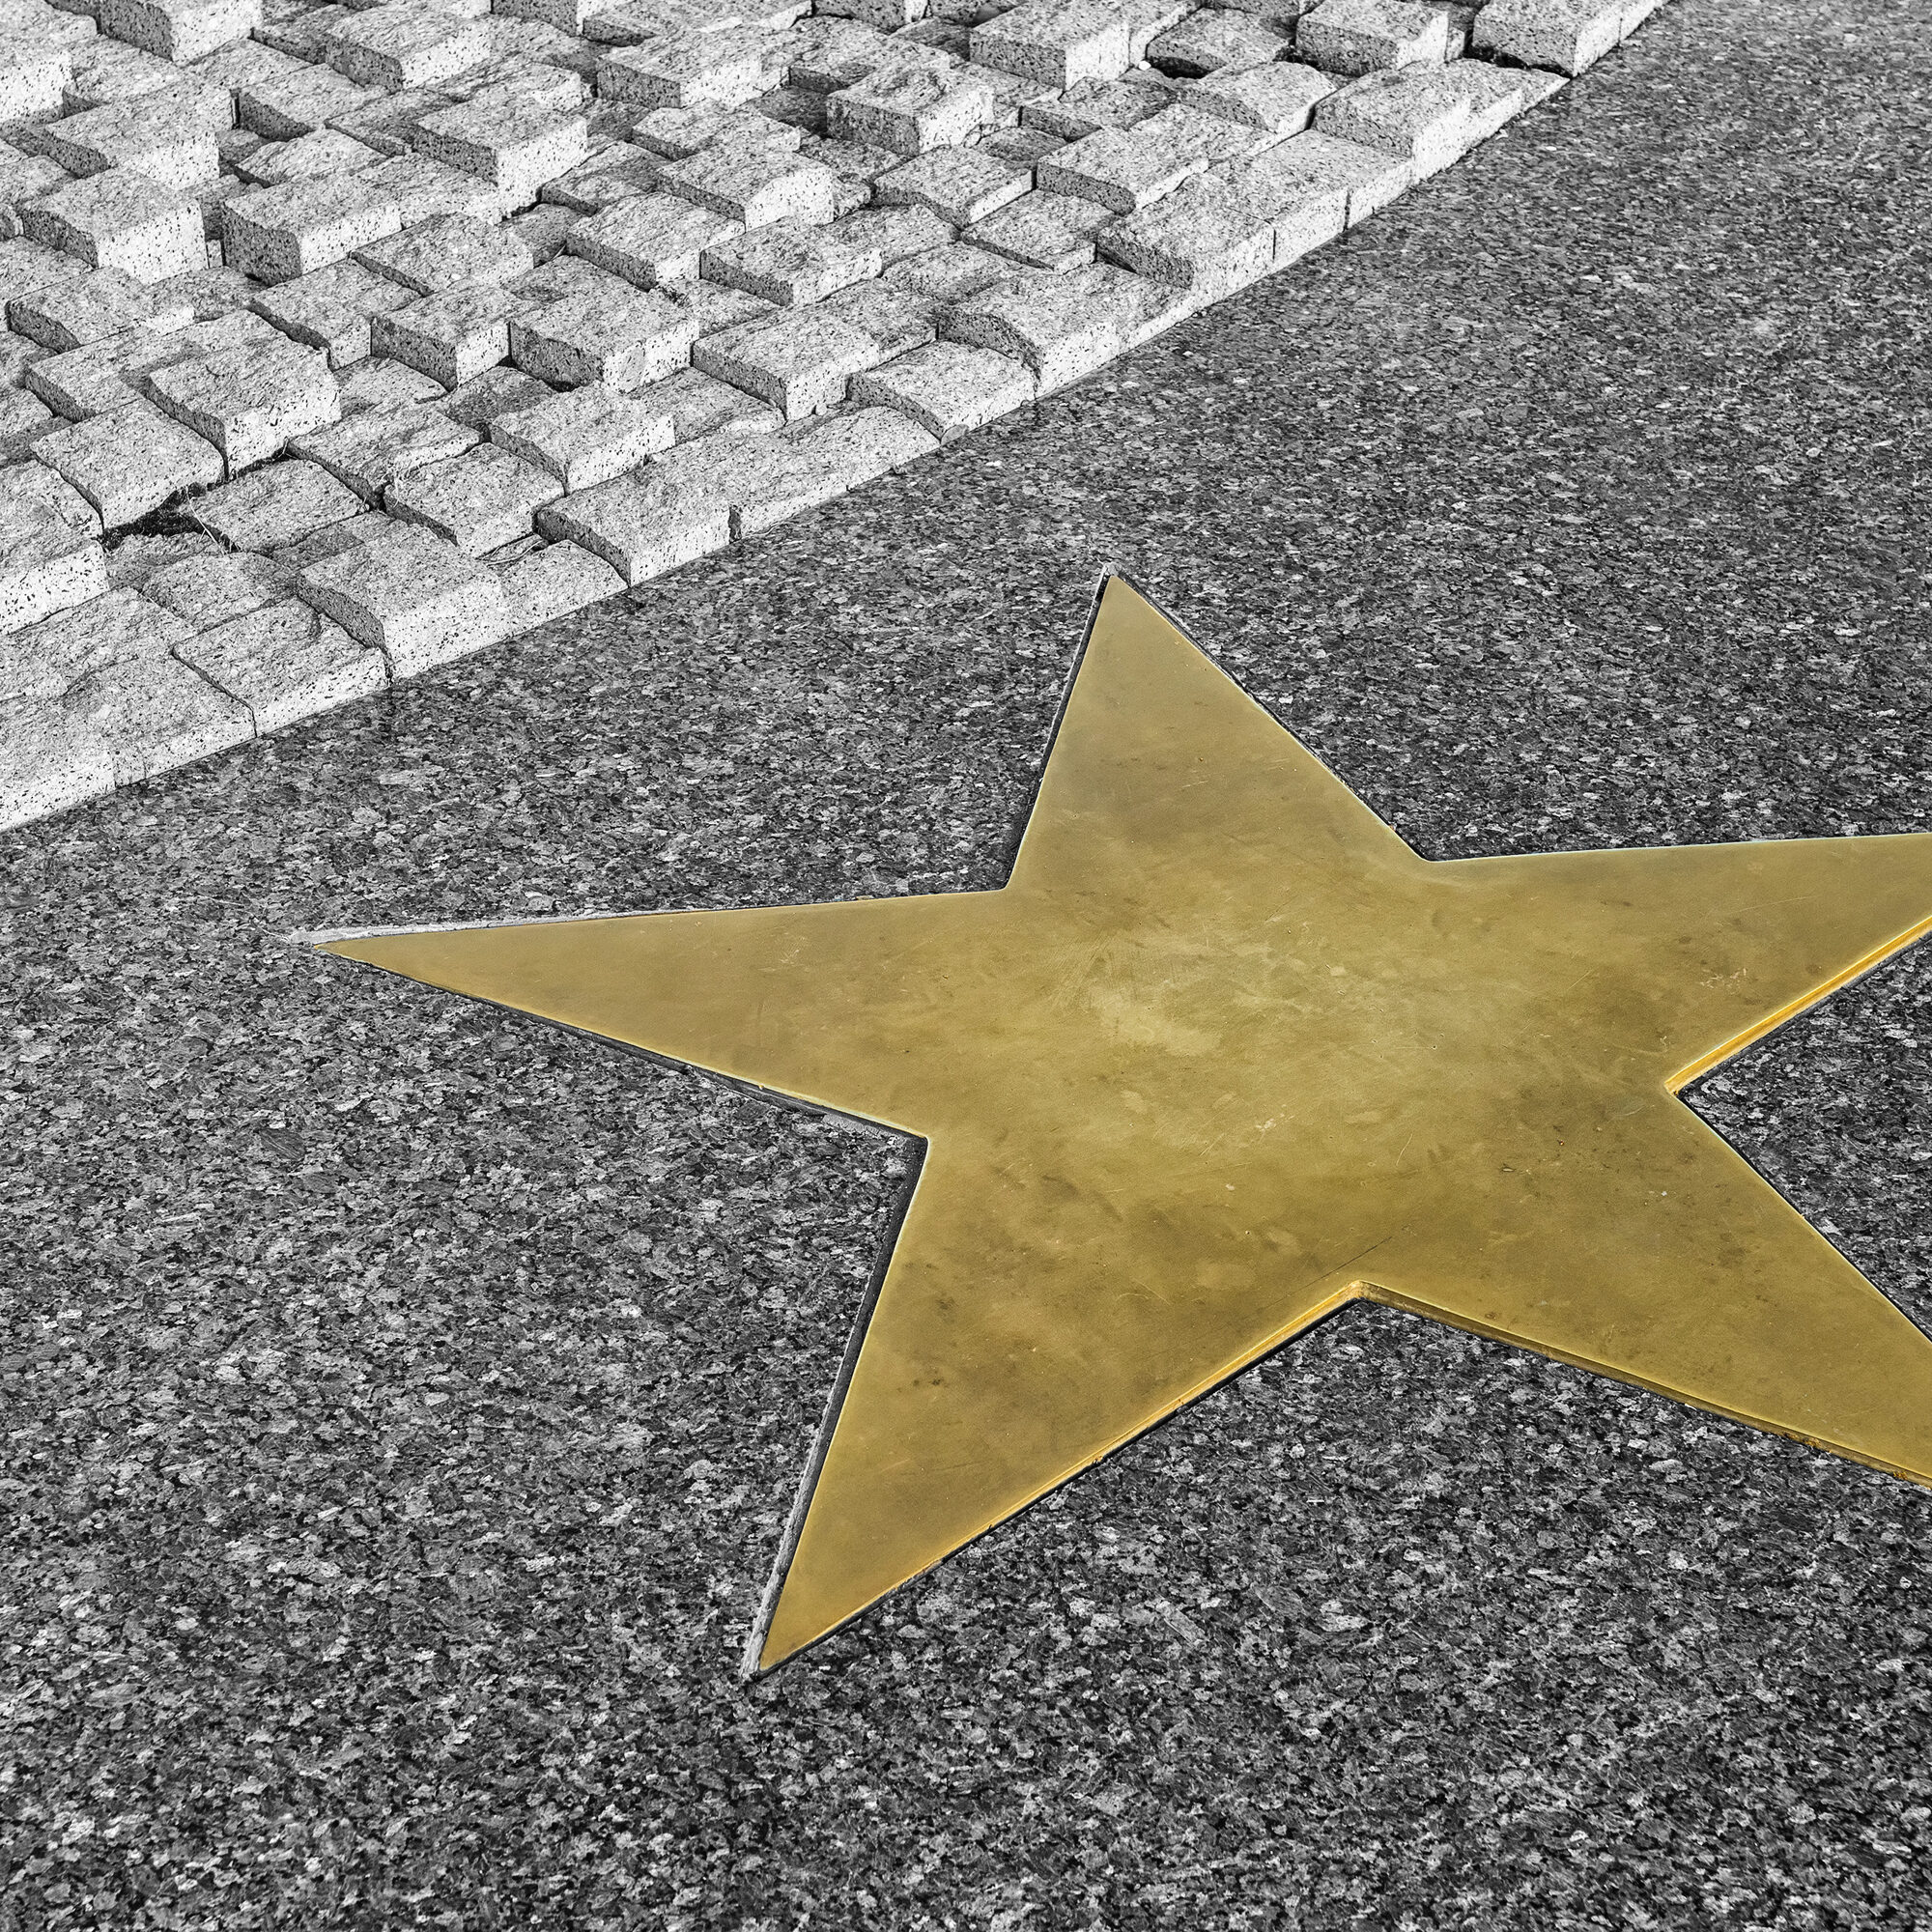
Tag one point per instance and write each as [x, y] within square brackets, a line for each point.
[340, 345]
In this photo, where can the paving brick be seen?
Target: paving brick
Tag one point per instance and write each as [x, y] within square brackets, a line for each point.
[330, 309]
[284, 662]
[1060, 325]
[652, 519]
[910, 107]
[948, 388]
[89, 308]
[802, 360]
[210, 294]
[1565, 35]
[370, 527]
[242, 63]
[1207, 237]
[288, 106]
[153, 133]
[648, 239]
[49, 760]
[421, 188]
[960, 184]
[154, 714]
[389, 123]
[609, 176]
[405, 45]
[585, 436]
[212, 588]
[130, 462]
[180, 30]
[496, 393]
[23, 421]
[1094, 104]
[754, 185]
[453, 337]
[1421, 113]
[106, 70]
[274, 506]
[615, 334]
[1214, 38]
[1044, 231]
[728, 67]
[712, 306]
[377, 384]
[1126, 168]
[698, 405]
[952, 273]
[1025, 147]
[480, 500]
[276, 234]
[542, 230]
[1280, 97]
[120, 220]
[448, 251]
[32, 77]
[1366, 36]
[791, 263]
[894, 234]
[133, 558]
[676, 133]
[554, 581]
[376, 447]
[411, 595]
[44, 660]
[248, 401]
[50, 552]
[1059, 42]
[822, 460]
[857, 165]
[25, 178]
[1314, 164]
[323, 150]
[516, 146]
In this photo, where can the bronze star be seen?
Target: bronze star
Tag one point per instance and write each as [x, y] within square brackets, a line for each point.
[1224, 1053]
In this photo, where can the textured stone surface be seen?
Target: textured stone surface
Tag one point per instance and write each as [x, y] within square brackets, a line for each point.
[250, 400]
[50, 555]
[585, 436]
[411, 1396]
[274, 506]
[120, 220]
[410, 594]
[479, 501]
[284, 662]
[130, 462]
[373, 448]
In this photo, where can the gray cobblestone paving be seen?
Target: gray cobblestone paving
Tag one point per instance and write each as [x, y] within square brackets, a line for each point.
[475, 307]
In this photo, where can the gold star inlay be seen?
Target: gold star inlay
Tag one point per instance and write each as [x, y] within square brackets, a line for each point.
[1224, 1053]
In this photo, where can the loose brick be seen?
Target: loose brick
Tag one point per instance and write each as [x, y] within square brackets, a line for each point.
[154, 714]
[802, 360]
[211, 589]
[451, 336]
[480, 500]
[754, 185]
[1059, 42]
[496, 393]
[516, 146]
[909, 108]
[90, 307]
[1060, 325]
[1565, 35]
[405, 45]
[450, 251]
[47, 658]
[1214, 38]
[49, 760]
[1128, 168]
[1280, 98]
[728, 69]
[961, 184]
[791, 263]
[1044, 231]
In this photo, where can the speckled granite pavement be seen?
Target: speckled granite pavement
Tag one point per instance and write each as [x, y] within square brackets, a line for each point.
[404, 1399]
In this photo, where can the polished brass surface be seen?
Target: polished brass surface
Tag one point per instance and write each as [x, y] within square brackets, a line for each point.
[1223, 1054]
